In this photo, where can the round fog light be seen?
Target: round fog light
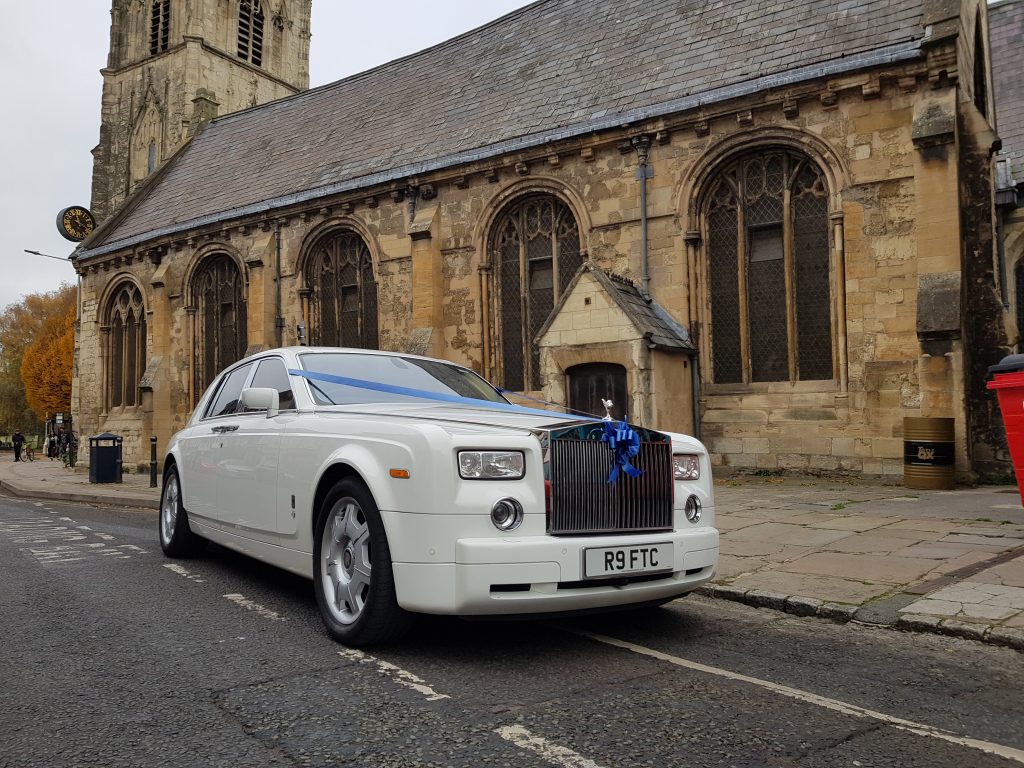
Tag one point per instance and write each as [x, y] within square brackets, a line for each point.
[693, 509]
[506, 514]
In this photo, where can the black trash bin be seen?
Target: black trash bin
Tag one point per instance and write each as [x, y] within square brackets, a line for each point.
[105, 458]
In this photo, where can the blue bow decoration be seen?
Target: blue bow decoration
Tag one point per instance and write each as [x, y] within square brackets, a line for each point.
[625, 442]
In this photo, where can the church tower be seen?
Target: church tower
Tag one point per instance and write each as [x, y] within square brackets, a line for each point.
[175, 64]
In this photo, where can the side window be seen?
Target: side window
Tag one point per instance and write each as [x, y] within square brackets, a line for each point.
[226, 401]
[272, 373]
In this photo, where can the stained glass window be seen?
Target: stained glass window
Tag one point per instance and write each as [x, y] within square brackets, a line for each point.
[768, 271]
[126, 346]
[535, 248]
[344, 293]
[221, 337]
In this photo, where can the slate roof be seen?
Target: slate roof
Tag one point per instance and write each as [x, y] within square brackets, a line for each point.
[551, 70]
[1006, 31]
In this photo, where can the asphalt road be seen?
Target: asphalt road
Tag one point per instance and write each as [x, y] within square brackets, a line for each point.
[113, 656]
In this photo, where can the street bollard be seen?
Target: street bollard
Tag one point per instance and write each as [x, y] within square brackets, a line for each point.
[152, 462]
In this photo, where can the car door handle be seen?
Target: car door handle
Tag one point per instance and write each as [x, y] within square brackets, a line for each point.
[225, 428]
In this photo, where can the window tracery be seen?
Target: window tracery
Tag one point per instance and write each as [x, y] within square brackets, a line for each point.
[126, 346]
[536, 252]
[343, 293]
[768, 271]
[221, 336]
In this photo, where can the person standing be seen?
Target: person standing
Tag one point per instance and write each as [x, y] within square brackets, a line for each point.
[19, 440]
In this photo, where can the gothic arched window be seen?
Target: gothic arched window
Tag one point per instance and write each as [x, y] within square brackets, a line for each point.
[159, 26]
[220, 333]
[344, 293]
[980, 73]
[250, 31]
[768, 270]
[126, 346]
[536, 251]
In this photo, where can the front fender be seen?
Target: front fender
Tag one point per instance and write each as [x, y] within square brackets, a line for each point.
[374, 470]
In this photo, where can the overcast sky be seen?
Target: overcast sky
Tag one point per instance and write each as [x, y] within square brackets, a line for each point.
[52, 120]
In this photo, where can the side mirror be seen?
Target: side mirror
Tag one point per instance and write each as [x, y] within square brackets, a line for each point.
[261, 399]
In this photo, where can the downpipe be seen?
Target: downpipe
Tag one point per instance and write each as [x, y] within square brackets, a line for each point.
[642, 145]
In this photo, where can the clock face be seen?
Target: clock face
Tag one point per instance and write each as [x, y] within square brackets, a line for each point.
[75, 223]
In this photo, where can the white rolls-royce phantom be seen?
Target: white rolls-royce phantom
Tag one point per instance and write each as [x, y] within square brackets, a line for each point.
[402, 485]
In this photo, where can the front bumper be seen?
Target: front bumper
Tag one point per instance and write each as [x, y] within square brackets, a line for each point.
[544, 574]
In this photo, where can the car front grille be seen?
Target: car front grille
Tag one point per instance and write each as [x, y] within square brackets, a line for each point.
[582, 501]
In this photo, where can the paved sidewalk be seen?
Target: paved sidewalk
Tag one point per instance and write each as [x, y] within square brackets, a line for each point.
[950, 562]
[47, 479]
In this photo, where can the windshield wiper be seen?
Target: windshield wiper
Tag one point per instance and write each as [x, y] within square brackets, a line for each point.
[326, 397]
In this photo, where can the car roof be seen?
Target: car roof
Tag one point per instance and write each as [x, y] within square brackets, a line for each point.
[345, 350]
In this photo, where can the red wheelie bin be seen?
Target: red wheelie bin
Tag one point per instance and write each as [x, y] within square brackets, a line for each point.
[1008, 383]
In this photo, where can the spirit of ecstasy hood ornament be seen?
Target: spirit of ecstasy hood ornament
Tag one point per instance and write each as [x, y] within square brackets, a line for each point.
[607, 409]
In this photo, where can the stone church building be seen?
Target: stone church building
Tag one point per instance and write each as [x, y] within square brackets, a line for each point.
[767, 224]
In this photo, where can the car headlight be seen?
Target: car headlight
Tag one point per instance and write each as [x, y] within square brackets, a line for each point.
[491, 465]
[686, 466]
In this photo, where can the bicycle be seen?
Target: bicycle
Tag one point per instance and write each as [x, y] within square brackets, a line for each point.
[27, 453]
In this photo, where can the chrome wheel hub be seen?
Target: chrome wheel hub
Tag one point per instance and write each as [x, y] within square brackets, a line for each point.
[169, 508]
[345, 560]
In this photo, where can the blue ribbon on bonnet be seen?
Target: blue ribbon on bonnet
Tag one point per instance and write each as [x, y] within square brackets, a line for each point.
[621, 438]
[422, 394]
[625, 443]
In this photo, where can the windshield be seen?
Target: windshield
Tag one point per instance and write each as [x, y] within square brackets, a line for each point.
[428, 376]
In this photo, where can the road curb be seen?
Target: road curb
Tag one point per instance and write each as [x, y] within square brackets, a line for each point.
[840, 613]
[85, 498]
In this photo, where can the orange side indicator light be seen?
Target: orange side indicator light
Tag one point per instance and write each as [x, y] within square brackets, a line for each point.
[400, 474]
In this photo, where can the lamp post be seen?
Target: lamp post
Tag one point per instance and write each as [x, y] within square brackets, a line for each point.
[65, 259]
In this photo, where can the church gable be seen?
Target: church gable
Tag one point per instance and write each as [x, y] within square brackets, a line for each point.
[602, 308]
[588, 314]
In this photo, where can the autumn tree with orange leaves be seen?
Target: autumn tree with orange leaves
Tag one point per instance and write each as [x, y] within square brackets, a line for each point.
[46, 367]
[37, 340]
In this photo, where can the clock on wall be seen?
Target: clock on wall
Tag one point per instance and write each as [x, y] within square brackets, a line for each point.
[75, 223]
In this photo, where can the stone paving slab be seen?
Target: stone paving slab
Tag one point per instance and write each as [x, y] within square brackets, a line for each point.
[792, 534]
[853, 523]
[1010, 574]
[867, 568]
[875, 542]
[734, 523]
[972, 600]
[934, 550]
[830, 588]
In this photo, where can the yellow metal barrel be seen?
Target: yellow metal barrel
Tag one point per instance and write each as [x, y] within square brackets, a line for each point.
[929, 457]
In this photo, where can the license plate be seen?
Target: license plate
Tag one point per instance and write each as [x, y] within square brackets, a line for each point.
[623, 561]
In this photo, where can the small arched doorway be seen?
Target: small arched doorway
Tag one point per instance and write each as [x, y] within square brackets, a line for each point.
[591, 383]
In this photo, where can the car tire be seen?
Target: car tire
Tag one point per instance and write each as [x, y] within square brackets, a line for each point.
[176, 537]
[352, 574]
